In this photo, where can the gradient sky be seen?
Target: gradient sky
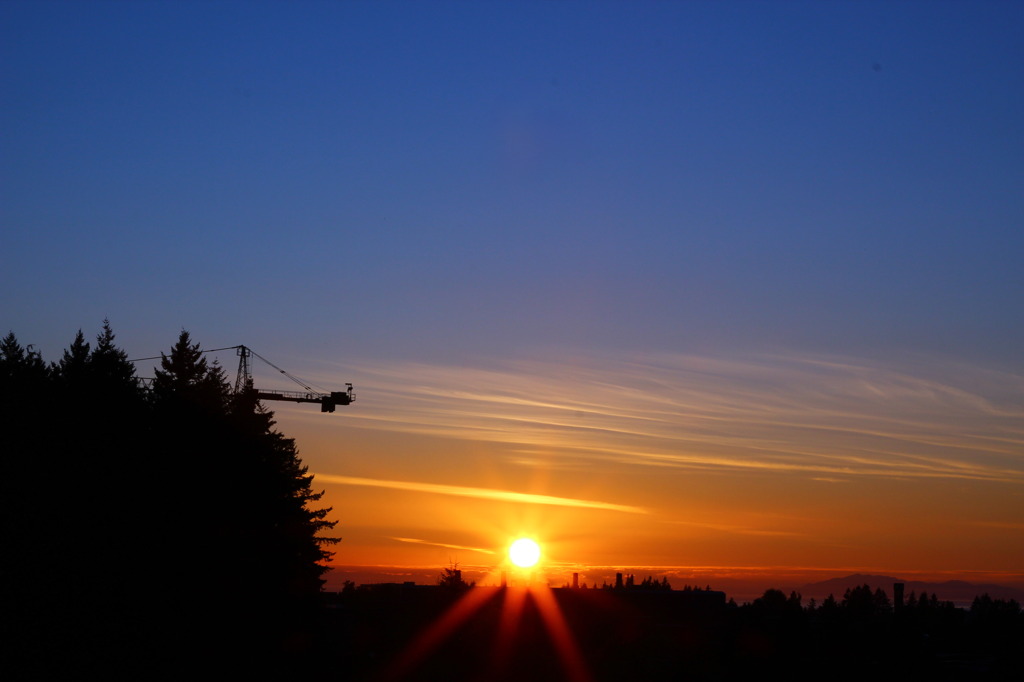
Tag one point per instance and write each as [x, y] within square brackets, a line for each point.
[665, 284]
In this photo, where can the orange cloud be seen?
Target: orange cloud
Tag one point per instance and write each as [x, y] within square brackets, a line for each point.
[417, 541]
[479, 493]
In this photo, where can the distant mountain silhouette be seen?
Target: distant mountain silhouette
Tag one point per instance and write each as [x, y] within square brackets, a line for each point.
[958, 591]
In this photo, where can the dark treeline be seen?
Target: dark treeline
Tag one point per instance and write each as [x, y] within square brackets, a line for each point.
[919, 637]
[634, 633]
[629, 583]
[145, 528]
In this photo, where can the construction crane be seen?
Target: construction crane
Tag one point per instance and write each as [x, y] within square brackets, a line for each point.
[243, 382]
[328, 400]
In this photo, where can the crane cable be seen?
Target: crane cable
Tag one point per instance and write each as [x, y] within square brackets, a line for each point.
[294, 378]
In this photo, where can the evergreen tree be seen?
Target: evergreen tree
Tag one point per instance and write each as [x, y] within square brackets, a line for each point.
[73, 368]
[141, 525]
[830, 607]
[186, 379]
[239, 516]
[859, 601]
[27, 521]
[451, 579]
[113, 374]
[77, 519]
[24, 382]
[20, 367]
[881, 601]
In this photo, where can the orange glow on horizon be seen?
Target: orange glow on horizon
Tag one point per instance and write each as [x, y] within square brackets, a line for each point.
[774, 465]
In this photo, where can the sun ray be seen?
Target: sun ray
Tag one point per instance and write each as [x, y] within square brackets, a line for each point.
[511, 614]
[512, 610]
[427, 641]
[565, 644]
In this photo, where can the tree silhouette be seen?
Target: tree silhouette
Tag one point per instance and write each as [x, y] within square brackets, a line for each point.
[28, 565]
[186, 379]
[651, 583]
[74, 430]
[172, 523]
[247, 546]
[451, 578]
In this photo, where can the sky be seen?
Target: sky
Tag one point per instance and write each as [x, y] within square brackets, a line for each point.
[696, 289]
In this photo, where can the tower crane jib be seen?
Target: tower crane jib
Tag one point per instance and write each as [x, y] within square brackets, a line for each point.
[328, 400]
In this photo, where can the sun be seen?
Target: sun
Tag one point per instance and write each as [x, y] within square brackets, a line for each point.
[524, 552]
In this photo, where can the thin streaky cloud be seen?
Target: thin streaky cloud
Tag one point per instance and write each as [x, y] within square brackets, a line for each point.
[418, 541]
[479, 493]
[738, 530]
[824, 417]
[999, 524]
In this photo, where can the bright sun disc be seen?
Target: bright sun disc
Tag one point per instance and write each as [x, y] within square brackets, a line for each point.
[524, 552]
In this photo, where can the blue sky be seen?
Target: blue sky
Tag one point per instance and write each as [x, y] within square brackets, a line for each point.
[434, 178]
[457, 185]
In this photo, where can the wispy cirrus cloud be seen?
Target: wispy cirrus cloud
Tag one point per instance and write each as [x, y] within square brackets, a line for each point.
[827, 418]
[418, 541]
[479, 493]
[738, 530]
